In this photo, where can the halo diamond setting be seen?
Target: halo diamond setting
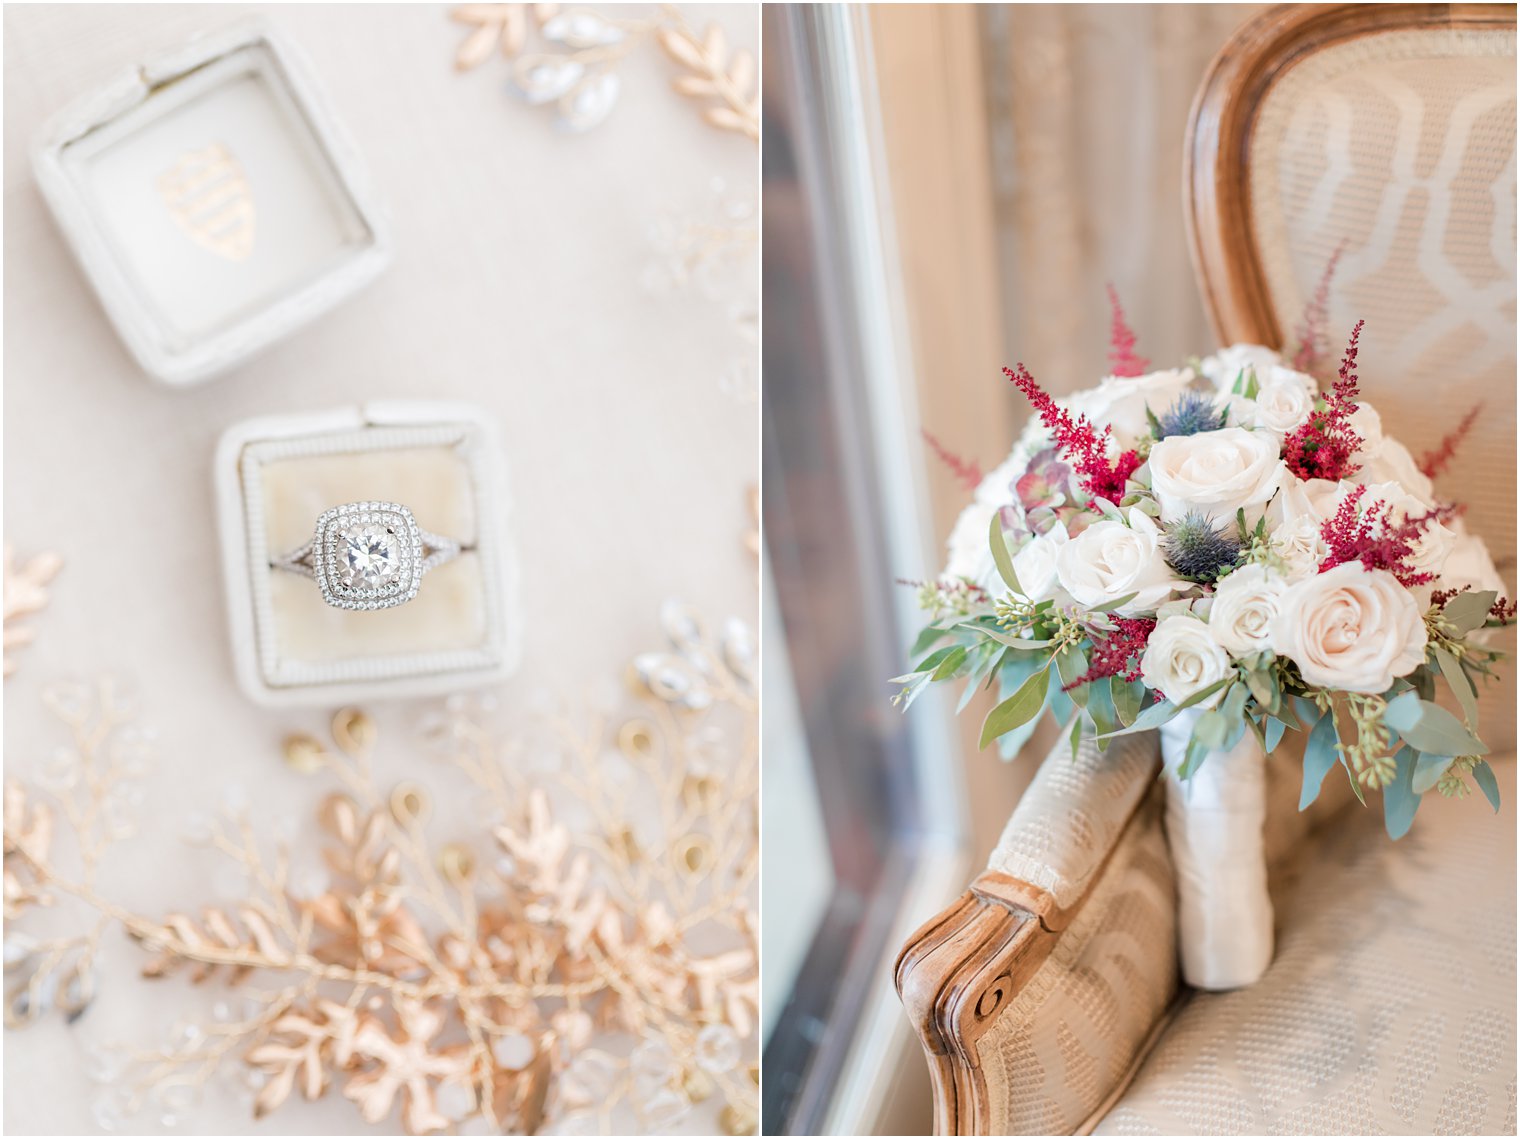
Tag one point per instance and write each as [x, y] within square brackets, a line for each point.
[369, 555]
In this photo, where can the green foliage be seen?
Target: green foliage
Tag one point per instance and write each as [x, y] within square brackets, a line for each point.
[1430, 728]
[1019, 709]
[1399, 799]
[1320, 754]
[1033, 654]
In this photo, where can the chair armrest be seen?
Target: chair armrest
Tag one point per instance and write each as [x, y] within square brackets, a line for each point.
[1033, 993]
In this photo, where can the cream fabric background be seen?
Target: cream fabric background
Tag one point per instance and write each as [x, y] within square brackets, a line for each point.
[515, 285]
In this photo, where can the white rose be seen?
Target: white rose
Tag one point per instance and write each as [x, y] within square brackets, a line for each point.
[1368, 425]
[1390, 461]
[1244, 605]
[1109, 560]
[1284, 401]
[1316, 499]
[1215, 472]
[1469, 564]
[1429, 548]
[1120, 402]
[1181, 658]
[1035, 564]
[1300, 546]
[969, 550]
[1350, 629]
[1225, 365]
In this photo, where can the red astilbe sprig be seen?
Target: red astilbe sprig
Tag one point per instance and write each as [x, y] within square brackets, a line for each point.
[1313, 325]
[1323, 447]
[1082, 443]
[967, 472]
[1370, 535]
[1432, 463]
[1117, 653]
[1122, 358]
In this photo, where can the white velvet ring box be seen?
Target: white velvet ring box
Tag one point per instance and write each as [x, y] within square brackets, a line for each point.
[276, 475]
[212, 200]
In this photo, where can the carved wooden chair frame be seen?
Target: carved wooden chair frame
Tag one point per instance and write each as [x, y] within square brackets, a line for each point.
[1215, 185]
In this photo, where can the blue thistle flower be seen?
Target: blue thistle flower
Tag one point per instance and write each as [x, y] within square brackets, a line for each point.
[1193, 412]
[1200, 551]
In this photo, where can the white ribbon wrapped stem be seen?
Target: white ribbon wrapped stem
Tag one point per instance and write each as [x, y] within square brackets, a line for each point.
[1214, 825]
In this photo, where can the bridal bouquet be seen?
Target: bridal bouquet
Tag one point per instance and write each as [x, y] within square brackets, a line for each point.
[1224, 551]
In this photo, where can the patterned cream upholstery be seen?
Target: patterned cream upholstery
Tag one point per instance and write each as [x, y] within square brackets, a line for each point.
[1389, 1008]
[1401, 144]
[1067, 820]
[1072, 1033]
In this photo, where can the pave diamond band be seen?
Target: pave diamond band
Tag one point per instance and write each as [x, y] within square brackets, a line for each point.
[368, 555]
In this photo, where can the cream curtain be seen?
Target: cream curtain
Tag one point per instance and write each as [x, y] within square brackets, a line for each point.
[1088, 110]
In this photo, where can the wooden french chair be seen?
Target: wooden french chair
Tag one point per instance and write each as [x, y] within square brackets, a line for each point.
[1047, 996]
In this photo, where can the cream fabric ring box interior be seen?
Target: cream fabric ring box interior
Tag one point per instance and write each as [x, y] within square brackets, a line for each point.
[276, 475]
[213, 201]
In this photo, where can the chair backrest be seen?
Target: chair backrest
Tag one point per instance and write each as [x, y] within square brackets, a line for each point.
[1386, 131]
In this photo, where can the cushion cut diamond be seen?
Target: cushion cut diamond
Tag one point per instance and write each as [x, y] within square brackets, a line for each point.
[371, 556]
[367, 555]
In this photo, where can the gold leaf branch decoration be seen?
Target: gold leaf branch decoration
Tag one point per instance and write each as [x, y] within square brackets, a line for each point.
[726, 82]
[88, 785]
[592, 963]
[568, 58]
[26, 593]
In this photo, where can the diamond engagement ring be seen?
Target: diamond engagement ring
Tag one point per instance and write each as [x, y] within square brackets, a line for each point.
[369, 555]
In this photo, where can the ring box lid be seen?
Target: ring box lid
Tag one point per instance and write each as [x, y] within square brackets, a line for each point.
[213, 201]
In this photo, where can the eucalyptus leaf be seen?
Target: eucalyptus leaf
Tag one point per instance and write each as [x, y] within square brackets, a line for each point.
[1016, 668]
[1319, 758]
[1431, 728]
[1127, 696]
[1071, 663]
[1307, 711]
[1153, 717]
[1400, 801]
[1263, 686]
[1076, 736]
[1019, 709]
[1116, 603]
[1460, 686]
[912, 686]
[1428, 770]
[931, 662]
[1212, 728]
[1467, 611]
[1483, 775]
[1061, 705]
[926, 640]
[1163, 710]
[1100, 707]
[1204, 693]
[1192, 760]
[986, 655]
[1001, 556]
[1019, 643]
[1009, 744]
[951, 664]
[1254, 724]
[1273, 734]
